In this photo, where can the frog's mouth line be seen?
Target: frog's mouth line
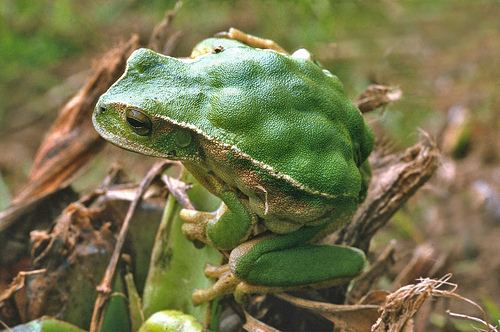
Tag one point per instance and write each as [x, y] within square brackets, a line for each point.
[130, 145]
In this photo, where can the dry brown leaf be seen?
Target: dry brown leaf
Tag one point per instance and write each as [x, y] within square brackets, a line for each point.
[9, 314]
[72, 140]
[349, 318]
[376, 297]
[252, 324]
[376, 96]
[252, 40]
[362, 284]
[395, 179]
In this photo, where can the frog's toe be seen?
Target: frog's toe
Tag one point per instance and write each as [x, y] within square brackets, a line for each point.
[195, 224]
[195, 232]
[196, 217]
[216, 271]
[226, 284]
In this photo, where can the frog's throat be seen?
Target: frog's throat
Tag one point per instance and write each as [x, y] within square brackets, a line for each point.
[261, 165]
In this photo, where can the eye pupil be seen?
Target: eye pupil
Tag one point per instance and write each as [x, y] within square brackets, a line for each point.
[140, 122]
[135, 123]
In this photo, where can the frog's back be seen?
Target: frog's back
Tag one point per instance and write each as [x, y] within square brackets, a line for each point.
[287, 114]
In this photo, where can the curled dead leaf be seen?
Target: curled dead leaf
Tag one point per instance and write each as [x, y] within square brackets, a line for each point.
[349, 318]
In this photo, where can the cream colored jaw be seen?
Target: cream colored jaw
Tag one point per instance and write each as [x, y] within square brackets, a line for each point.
[132, 146]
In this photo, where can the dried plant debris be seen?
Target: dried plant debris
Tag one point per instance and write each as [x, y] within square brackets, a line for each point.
[105, 287]
[402, 305]
[382, 311]
[376, 96]
[71, 256]
[252, 40]
[349, 318]
[14, 242]
[66, 259]
[72, 140]
[395, 179]
[254, 325]
[179, 190]
[362, 284]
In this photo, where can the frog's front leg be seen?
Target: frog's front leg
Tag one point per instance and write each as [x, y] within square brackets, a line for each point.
[225, 228]
[277, 263]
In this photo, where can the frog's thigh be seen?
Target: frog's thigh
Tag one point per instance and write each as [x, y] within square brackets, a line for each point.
[283, 261]
[233, 224]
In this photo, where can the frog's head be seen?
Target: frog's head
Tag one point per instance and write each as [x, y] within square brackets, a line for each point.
[140, 112]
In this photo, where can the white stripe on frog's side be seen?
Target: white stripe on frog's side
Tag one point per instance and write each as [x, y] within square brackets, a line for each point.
[257, 163]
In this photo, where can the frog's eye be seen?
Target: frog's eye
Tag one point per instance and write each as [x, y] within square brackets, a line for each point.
[140, 122]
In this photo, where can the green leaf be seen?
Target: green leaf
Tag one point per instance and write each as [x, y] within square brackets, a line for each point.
[46, 324]
[134, 303]
[116, 316]
[176, 268]
[171, 321]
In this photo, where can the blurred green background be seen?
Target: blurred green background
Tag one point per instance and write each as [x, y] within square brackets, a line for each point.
[442, 54]
[438, 52]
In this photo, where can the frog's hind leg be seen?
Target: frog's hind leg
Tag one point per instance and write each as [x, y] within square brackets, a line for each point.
[252, 40]
[289, 261]
[277, 263]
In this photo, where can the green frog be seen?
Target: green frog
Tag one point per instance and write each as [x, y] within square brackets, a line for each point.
[273, 135]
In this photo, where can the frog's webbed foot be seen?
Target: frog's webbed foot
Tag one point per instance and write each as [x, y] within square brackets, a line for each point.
[195, 224]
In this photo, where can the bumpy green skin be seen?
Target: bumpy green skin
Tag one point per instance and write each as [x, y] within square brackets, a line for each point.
[274, 136]
[171, 321]
[284, 112]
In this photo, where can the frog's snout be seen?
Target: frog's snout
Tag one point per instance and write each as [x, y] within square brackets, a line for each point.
[99, 115]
